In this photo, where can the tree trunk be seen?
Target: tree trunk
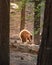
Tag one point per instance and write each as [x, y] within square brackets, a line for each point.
[42, 17]
[22, 26]
[37, 19]
[36, 23]
[4, 32]
[12, 1]
[45, 51]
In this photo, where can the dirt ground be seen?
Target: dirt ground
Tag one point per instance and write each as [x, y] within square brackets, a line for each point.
[19, 58]
[22, 54]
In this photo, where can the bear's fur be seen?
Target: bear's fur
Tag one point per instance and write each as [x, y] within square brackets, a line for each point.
[25, 35]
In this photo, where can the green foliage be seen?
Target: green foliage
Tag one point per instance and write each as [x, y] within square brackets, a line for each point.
[22, 3]
[37, 0]
[38, 9]
[37, 31]
[38, 13]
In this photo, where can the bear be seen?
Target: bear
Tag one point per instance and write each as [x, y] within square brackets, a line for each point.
[25, 35]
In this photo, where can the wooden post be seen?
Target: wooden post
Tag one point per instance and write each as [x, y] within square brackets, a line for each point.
[4, 32]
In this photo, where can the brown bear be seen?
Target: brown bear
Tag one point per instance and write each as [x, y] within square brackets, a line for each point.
[25, 35]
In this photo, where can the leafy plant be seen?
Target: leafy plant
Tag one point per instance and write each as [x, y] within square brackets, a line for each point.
[37, 14]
